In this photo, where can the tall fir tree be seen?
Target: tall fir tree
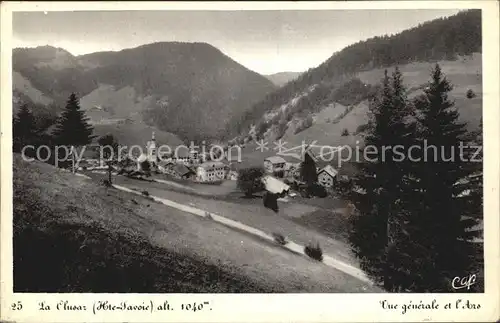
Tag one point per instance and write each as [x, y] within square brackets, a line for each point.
[376, 228]
[72, 127]
[24, 129]
[308, 170]
[450, 194]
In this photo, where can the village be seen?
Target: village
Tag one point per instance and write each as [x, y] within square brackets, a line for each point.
[187, 166]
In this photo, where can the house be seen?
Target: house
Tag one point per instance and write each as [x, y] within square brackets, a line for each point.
[233, 171]
[90, 157]
[166, 167]
[194, 156]
[181, 156]
[292, 170]
[141, 159]
[274, 164]
[327, 175]
[211, 171]
[182, 171]
[274, 185]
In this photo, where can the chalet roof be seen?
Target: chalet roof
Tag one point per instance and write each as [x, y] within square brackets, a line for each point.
[329, 170]
[165, 163]
[182, 169]
[211, 164]
[276, 160]
[274, 185]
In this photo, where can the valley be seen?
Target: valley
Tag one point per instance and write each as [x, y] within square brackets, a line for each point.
[276, 219]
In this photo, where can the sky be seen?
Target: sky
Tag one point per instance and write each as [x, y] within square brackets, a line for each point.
[266, 42]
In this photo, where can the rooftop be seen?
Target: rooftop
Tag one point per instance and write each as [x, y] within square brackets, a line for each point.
[276, 160]
[211, 164]
[274, 185]
[329, 170]
[182, 169]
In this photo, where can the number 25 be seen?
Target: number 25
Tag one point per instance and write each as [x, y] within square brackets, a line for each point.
[17, 306]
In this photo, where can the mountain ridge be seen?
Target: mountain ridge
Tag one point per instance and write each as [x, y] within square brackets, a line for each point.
[352, 75]
[281, 78]
[191, 89]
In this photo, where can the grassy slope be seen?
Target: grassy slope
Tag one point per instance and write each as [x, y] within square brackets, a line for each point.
[251, 214]
[136, 133]
[464, 74]
[23, 85]
[86, 238]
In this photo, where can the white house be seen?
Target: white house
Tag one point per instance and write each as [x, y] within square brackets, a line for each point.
[326, 176]
[182, 156]
[211, 171]
[274, 164]
[194, 156]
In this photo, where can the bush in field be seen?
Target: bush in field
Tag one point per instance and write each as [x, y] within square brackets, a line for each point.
[146, 167]
[314, 252]
[345, 132]
[279, 238]
[317, 190]
[249, 180]
[145, 193]
[271, 201]
[470, 94]
[106, 183]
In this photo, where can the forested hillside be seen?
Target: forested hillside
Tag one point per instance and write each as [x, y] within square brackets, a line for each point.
[190, 89]
[440, 39]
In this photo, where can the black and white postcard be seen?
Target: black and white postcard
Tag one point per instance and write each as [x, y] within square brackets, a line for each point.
[250, 162]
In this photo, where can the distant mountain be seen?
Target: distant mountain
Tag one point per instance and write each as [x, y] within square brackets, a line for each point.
[190, 89]
[281, 78]
[334, 96]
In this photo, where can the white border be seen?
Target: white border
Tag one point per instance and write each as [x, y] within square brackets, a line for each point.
[268, 307]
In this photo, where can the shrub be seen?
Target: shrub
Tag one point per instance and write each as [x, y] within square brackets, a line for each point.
[106, 183]
[345, 132]
[317, 190]
[314, 251]
[470, 94]
[145, 193]
[271, 201]
[279, 238]
[249, 180]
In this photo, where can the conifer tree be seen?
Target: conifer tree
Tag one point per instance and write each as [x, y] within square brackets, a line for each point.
[376, 233]
[308, 170]
[72, 127]
[24, 129]
[450, 192]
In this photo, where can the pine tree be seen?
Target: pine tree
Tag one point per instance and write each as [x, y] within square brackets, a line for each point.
[72, 127]
[377, 234]
[308, 170]
[24, 129]
[450, 192]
